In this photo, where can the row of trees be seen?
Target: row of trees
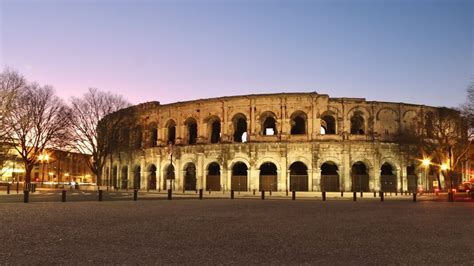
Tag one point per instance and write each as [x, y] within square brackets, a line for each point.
[33, 118]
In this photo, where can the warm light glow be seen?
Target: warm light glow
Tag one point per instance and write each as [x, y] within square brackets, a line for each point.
[51, 173]
[426, 162]
[444, 167]
[66, 174]
[43, 157]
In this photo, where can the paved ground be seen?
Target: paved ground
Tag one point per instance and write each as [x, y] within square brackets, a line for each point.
[237, 232]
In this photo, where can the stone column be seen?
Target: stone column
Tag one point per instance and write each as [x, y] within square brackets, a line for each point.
[317, 179]
[375, 174]
[143, 175]
[200, 171]
[228, 181]
[177, 175]
[287, 180]
[346, 172]
[310, 179]
[183, 174]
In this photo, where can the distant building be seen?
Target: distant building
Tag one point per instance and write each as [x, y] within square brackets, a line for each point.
[53, 166]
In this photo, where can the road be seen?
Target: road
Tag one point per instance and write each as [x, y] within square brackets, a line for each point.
[216, 231]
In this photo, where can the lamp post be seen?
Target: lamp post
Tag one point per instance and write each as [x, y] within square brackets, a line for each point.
[426, 163]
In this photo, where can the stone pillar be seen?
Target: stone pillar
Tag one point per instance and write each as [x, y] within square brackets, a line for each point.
[143, 174]
[346, 172]
[200, 171]
[159, 173]
[287, 180]
[317, 179]
[374, 182]
[183, 174]
[254, 179]
[310, 179]
[177, 175]
[228, 181]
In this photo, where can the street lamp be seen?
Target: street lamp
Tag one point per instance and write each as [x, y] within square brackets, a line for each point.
[426, 163]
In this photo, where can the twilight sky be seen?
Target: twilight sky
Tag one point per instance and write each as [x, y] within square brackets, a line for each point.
[175, 50]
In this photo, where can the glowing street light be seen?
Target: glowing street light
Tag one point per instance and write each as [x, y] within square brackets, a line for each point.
[444, 167]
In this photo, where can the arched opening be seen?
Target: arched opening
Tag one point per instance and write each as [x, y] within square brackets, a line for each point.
[190, 177]
[357, 124]
[240, 128]
[298, 177]
[239, 177]
[124, 177]
[268, 177]
[215, 131]
[213, 179]
[171, 132]
[136, 177]
[153, 129]
[360, 177]
[298, 124]
[114, 177]
[328, 125]
[168, 182]
[329, 177]
[191, 125]
[388, 180]
[411, 179]
[152, 177]
[269, 124]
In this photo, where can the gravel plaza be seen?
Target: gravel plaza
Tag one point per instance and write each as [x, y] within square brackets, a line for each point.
[241, 231]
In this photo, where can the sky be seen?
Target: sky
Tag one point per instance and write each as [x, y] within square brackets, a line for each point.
[399, 51]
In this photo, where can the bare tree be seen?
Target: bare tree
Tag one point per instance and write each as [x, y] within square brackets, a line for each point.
[39, 119]
[10, 83]
[467, 110]
[87, 114]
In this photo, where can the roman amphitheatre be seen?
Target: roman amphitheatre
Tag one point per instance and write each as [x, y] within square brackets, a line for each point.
[271, 142]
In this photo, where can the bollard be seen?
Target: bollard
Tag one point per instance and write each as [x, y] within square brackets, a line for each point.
[184, 191]
[342, 194]
[414, 197]
[26, 196]
[324, 195]
[170, 194]
[270, 192]
[8, 188]
[17, 185]
[396, 193]
[200, 193]
[254, 192]
[293, 195]
[196, 191]
[287, 192]
[263, 194]
[223, 192]
[381, 196]
[375, 194]
[63, 195]
[231, 194]
[209, 191]
[361, 194]
[354, 198]
[100, 195]
[135, 194]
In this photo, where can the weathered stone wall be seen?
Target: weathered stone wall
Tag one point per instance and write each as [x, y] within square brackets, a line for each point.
[374, 147]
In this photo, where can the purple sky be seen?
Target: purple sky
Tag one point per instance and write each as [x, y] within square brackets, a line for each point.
[408, 51]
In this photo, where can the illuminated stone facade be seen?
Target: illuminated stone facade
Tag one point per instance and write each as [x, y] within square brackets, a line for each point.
[295, 141]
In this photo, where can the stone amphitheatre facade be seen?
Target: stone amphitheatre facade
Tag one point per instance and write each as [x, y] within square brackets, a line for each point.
[294, 141]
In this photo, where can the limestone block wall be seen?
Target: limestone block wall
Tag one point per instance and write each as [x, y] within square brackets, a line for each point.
[357, 131]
